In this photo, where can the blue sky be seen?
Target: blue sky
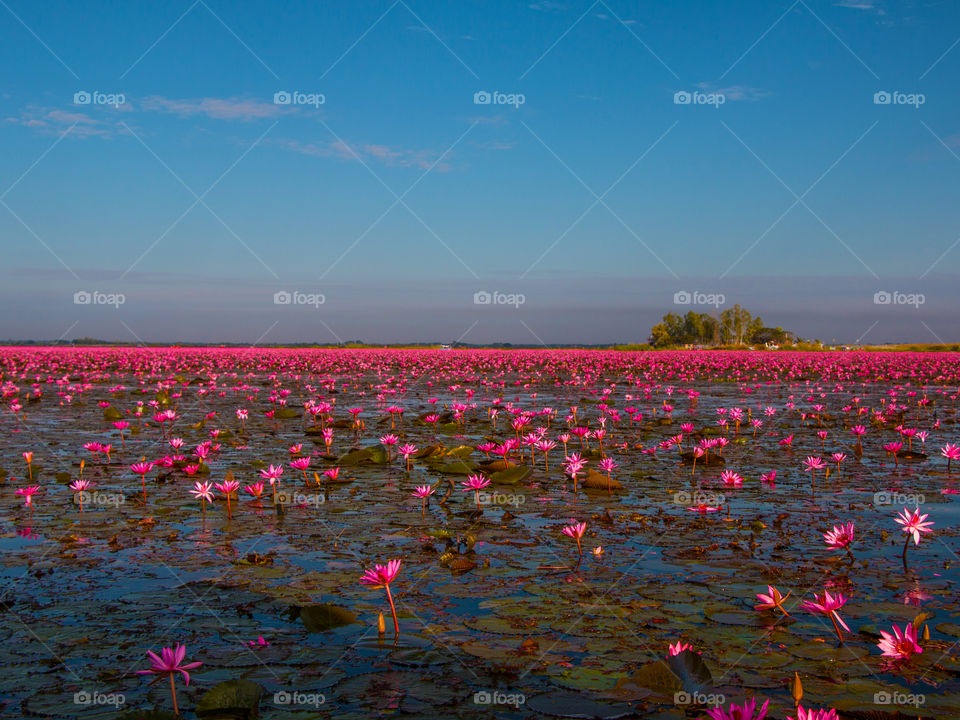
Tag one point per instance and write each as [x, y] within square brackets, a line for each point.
[783, 185]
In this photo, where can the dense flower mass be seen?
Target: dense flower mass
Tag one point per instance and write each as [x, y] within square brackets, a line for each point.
[706, 495]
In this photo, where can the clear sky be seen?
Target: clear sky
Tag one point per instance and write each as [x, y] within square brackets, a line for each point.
[810, 160]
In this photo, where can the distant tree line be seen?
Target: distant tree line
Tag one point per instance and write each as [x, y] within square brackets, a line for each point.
[733, 326]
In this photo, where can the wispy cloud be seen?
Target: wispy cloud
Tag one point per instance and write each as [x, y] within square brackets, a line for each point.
[239, 109]
[735, 92]
[390, 156]
[54, 121]
[871, 5]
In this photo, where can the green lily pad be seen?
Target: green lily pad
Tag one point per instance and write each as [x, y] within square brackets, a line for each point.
[231, 700]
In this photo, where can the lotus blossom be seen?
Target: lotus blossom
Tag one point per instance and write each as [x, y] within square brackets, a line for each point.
[170, 662]
[678, 647]
[407, 450]
[913, 524]
[827, 604]
[900, 645]
[382, 576]
[747, 711]
[950, 452]
[840, 537]
[812, 464]
[228, 487]
[811, 714]
[27, 494]
[576, 531]
[731, 478]
[772, 599]
[203, 491]
[476, 483]
[423, 492]
[80, 487]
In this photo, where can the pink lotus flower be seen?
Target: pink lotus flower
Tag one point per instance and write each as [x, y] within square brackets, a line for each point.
[259, 642]
[772, 599]
[747, 711]
[678, 647]
[423, 492]
[27, 494]
[272, 473]
[731, 478]
[476, 483]
[824, 714]
[228, 487]
[203, 491]
[332, 473]
[80, 487]
[255, 490]
[840, 537]
[576, 531]
[812, 464]
[950, 452]
[407, 450]
[827, 604]
[382, 576]
[170, 662]
[913, 523]
[900, 645]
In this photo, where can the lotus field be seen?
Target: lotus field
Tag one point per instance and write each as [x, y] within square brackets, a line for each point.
[274, 533]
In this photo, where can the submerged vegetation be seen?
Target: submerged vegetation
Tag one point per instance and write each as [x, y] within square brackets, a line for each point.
[232, 533]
